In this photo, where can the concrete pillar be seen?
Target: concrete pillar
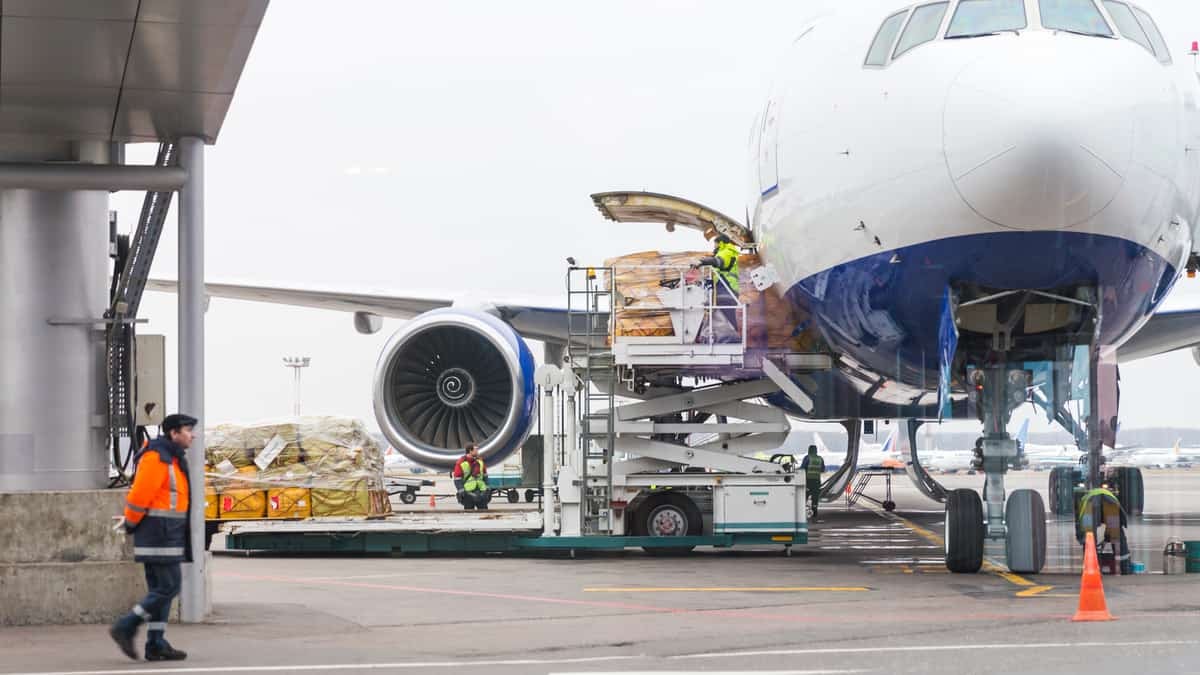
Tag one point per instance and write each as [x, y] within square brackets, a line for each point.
[194, 599]
[53, 270]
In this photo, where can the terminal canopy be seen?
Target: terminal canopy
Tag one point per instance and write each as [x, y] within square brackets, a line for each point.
[121, 70]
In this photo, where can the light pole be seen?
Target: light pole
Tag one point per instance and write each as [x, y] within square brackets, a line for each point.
[296, 363]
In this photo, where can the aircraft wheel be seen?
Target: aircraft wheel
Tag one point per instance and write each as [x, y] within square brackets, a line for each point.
[1062, 490]
[964, 531]
[1025, 541]
[1130, 489]
[668, 514]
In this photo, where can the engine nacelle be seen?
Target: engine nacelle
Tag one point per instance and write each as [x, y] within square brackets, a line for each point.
[452, 377]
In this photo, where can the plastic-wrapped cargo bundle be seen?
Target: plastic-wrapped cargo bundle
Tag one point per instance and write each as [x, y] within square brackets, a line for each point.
[772, 322]
[225, 447]
[639, 278]
[289, 491]
[309, 466]
[242, 496]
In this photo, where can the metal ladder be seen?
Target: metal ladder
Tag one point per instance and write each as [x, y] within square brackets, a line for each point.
[590, 297]
[134, 255]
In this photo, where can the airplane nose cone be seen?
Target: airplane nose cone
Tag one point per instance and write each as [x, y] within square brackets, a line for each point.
[1038, 138]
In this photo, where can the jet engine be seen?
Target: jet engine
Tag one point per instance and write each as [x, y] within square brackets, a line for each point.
[452, 377]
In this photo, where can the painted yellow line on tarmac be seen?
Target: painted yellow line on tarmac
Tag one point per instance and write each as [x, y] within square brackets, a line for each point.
[732, 589]
[1040, 592]
[988, 566]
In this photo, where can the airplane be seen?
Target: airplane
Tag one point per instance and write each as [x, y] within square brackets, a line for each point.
[950, 461]
[950, 196]
[395, 462]
[871, 456]
[1163, 458]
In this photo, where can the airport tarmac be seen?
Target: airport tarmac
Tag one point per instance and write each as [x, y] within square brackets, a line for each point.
[868, 594]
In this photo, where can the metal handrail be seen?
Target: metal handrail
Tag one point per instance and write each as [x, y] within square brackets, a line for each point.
[709, 308]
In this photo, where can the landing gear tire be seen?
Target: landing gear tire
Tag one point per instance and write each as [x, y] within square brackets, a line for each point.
[512, 496]
[1062, 490]
[1130, 489]
[964, 531]
[1025, 540]
[668, 514]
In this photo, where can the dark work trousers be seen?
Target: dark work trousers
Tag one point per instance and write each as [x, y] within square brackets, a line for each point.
[476, 500]
[728, 302]
[163, 581]
[813, 487]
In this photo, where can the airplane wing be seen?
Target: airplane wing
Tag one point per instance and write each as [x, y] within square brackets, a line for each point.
[1164, 332]
[530, 320]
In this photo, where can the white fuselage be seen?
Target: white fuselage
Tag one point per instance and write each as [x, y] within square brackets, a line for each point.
[1036, 159]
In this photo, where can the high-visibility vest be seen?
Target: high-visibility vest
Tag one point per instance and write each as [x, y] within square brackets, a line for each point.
[727, 256]
[816, 466]
[474, 478]
[1110, 508]
[157, 504]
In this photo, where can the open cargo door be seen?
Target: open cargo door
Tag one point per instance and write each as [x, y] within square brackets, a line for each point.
[650, 207]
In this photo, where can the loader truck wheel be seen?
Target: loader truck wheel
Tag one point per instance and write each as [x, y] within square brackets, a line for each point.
[668, 514]
[512, 496]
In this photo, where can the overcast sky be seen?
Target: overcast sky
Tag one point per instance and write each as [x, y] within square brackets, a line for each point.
[405, 146]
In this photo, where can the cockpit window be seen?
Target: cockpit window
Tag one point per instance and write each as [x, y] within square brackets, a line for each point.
[1075, 16]
[1156, 39]
[1126, 23]
[924, 25]
[975, 18]
[885, 38]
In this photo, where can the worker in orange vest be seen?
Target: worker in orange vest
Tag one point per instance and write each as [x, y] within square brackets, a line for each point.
[156, 513]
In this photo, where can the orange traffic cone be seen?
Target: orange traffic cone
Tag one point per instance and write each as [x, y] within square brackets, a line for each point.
[432, 501]
[1092, 606]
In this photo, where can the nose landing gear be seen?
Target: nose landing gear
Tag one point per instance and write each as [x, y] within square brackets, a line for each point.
[1019, 519]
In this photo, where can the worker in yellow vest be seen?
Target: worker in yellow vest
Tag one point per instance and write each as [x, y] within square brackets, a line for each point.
[813, 466]
[726, 285]
[470, 479]
[1103, 502]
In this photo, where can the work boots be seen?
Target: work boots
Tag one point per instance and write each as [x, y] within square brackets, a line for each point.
[163, 651]
[123, 635]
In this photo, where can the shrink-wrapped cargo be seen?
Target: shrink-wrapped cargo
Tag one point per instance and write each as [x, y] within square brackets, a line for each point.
[639, 278]
[211, 511]
[345, 497]
[309, 466]
[243, 496]
[288, 491]
[225, 447]
[274, 444]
